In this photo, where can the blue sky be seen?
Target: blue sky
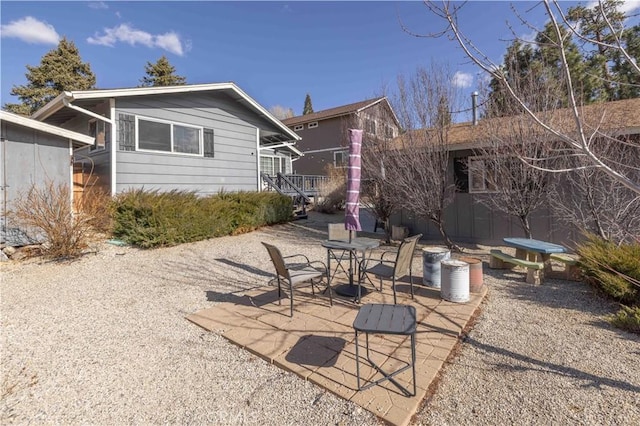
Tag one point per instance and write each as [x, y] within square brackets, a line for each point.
[338, 52]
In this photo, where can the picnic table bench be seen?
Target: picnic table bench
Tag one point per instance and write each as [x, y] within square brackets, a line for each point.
[535, 270]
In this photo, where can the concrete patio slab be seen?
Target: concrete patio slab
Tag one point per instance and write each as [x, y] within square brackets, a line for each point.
[318, 342]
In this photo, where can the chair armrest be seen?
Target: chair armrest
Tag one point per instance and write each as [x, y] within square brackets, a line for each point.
[393, 252]
[296, 255]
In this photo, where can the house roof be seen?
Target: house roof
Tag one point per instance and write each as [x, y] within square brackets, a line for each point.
[333, 112]
[231, 88]
[20, 120]
[614, 117]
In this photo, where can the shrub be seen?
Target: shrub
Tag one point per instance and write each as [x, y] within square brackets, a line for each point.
[95, 203]
[45, 212]
[153, 218]
[613, 269]
[333, 191]
[628, 318]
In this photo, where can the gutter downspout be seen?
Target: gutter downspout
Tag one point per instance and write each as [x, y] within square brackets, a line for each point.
[259, 183]
[112, 144]
[68, 104]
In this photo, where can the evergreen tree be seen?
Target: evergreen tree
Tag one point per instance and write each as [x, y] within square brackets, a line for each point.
[627, 78]
[587, 87]
[60, 69]
[308, 108]
[162, 73]
[593, 25]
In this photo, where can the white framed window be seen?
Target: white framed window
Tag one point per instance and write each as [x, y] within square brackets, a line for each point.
[165, 136]
[273, 164]
[298, 127]
[481, 177]
[341, 159]
[370, 126]
[312, 125]
[99, 130]
[389, 131]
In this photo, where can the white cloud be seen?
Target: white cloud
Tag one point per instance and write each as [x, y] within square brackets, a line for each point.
[462, 79]
[626, 6]
[125, 33]
[30, 30]
[170, 42]
[98, 5]
[118, 15]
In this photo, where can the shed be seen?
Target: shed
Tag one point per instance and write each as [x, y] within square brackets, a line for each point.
[32, 153]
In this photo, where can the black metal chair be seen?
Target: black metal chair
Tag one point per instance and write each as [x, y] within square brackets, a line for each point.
[296, 273]
[395, 269]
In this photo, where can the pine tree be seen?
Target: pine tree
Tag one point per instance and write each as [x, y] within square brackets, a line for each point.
[162, 73]
[308, 108]
[60, 69]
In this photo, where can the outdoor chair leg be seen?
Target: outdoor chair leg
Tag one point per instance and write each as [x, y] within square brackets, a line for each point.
[395, 302]
[291, 299]
[279, 292]
[411, 282]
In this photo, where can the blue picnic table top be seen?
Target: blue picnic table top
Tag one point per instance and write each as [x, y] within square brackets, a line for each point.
[535, 245]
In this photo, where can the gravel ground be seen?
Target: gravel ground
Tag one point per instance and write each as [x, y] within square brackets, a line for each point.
[103, 340]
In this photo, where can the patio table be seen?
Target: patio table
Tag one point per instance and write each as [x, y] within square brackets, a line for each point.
[354, 247]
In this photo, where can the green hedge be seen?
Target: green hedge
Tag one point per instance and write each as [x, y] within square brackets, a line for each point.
[152, 218]
[615, 270]
[612, 268]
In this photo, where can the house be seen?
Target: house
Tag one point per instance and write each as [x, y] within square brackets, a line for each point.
[469, 220]
[324, 133]
[204, 138]
[32, 153]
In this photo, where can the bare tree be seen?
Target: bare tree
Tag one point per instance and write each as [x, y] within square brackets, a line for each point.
[419, 168]
[506, 136]
[281, 112]
[577, 139]
[377, 191]
[592, 201]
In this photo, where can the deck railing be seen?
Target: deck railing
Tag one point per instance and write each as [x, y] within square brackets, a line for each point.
[308, 184]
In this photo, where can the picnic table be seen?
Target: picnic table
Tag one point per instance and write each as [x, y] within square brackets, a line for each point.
[534, 255]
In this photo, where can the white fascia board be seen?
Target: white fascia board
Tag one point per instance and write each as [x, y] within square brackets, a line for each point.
[51, 107]
[393, 113]
[47, 128]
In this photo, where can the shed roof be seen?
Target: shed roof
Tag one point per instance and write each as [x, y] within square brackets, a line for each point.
[20, 120]
[617, 117]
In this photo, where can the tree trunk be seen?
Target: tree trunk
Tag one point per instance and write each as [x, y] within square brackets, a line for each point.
[526, 227]
[450, 244]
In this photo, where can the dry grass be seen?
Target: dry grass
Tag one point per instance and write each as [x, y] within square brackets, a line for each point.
[333, 191]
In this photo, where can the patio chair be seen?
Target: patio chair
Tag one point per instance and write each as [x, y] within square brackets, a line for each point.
[338, 233]
[296, 273]
[395, 269]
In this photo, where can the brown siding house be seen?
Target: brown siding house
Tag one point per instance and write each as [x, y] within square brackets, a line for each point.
[324, 133]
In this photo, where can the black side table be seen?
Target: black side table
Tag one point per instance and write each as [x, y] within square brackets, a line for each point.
[387, 319]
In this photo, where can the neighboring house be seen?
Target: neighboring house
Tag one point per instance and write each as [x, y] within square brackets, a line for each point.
[468, 220]
[324, 135]
[32, 154]
[204, 138]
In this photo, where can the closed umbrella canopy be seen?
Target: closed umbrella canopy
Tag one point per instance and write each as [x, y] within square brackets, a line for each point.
[352, 215]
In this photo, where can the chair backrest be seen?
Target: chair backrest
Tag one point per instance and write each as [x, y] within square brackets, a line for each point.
[278, 261]
[338, 233]
[405, 256]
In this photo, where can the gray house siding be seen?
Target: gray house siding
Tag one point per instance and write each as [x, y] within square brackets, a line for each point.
[469, 220]
[29, 157]
[234, 165]
[95, 164]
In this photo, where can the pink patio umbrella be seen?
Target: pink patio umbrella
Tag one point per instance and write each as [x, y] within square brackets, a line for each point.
[352, 214]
